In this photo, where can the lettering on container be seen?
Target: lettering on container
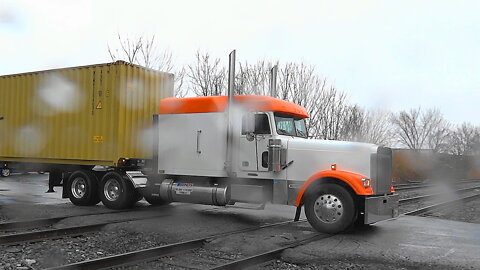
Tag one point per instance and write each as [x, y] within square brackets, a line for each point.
[97, 139]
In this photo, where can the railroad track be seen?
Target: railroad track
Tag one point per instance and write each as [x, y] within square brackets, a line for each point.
[26, 224]
[33, 236]
[399, 187]
[151, 254]
[423, 197]
[439, 206]
[266, 256]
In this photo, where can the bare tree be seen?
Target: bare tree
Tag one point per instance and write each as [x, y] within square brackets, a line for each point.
[418, 129]
[128, 51]
[332, 108]
[144, 51]
[180, 89]
[377, 128]
[439, 131]
[207, 76]
[253, 79]
[353, 127]
[464, 140]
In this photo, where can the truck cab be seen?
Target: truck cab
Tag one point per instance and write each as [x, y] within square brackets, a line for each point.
[272, 160]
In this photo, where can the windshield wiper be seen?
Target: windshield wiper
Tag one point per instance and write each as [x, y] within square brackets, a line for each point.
[302, 134]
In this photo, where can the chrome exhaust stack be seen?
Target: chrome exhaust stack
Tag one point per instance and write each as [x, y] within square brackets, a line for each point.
[231, 93]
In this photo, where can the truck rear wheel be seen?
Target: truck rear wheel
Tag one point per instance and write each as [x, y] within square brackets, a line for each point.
[117, 192]
[83, 188]
[330, 208]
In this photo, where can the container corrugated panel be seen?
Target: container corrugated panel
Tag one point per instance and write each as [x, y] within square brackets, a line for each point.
[89, 115]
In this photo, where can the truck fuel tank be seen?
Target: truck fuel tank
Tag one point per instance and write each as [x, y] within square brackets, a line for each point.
[195, 192]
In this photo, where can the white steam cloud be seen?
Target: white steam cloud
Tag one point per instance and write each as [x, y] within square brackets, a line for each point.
[134, 96]
[28, 140]
[59, 95]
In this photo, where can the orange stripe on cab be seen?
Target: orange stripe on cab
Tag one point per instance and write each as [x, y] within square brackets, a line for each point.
[352, 179]
[219, 104]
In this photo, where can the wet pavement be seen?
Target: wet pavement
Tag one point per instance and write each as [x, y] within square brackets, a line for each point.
[28, 188]
[407, 240]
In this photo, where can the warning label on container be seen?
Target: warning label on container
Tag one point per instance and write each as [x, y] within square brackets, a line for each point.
[183, 188]
[97, 139]
[99, 105]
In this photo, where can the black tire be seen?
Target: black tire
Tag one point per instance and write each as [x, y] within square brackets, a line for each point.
[330, 208]
[155, 200]
[82, 188]
[116, 192]
[5, 172]
[138, 196]
[152, 193]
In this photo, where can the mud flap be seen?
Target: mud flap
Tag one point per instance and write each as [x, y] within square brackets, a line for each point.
[297, 213]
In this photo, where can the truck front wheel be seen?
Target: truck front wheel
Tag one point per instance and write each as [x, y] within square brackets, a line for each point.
[82, 188]
[117, 192]
[329, 208]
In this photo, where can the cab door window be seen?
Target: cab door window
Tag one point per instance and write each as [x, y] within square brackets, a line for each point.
[257, 123]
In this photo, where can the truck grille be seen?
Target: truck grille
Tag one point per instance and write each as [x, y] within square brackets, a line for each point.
[381, 170]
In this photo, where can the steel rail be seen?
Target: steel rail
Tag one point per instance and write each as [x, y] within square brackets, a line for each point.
[266, 256]
[440, 205]
[26, 224]
[61, 232]
[418, 198]
[415, 186]
[156, 252]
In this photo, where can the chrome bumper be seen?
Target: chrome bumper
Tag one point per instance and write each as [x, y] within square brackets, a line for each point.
[380, 208]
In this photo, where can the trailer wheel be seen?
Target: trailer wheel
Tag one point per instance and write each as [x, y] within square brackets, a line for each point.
[82, 188]
[117, 192]
[5, 172]
[330, 208]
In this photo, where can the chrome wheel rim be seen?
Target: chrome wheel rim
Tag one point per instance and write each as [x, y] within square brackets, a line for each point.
[111, 189]
[328, 208]
[79, 187]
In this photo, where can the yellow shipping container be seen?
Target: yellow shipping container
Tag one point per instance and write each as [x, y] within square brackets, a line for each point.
[88, 115]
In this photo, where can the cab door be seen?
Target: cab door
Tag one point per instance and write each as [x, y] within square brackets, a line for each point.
[263, 134]
[253, 150]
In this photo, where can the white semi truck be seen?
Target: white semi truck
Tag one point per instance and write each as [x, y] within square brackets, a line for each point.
[208, 150]
[266, 157]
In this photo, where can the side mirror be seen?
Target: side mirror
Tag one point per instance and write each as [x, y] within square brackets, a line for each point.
[248, 125]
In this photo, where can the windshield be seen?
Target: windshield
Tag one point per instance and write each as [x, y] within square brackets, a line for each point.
[291, 126]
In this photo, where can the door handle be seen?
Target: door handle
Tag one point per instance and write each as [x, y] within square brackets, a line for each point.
[198, 141]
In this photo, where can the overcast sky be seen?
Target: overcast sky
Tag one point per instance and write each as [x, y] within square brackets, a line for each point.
[385, 54]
